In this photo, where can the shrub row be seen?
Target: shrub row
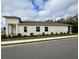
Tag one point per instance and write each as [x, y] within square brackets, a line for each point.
[31, 34]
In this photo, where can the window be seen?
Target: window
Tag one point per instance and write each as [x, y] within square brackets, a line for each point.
[25, 29]
[46, 29]
[37, 29]
[68, 29]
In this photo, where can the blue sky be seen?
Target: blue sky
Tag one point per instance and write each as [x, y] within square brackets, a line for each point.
[38, 9]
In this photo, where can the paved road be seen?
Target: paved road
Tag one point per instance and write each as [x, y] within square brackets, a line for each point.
[55, 49]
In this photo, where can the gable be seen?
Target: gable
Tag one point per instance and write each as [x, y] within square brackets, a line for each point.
[12, 19]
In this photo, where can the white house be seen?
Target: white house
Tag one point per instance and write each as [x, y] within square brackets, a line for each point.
[15, 26]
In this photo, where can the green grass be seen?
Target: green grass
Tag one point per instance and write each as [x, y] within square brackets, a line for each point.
[34, 37]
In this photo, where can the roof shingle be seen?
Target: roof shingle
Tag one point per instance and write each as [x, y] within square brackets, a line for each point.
[42, 23]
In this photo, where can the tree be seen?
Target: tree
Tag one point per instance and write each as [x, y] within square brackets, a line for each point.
[73, 20]
[49, 20]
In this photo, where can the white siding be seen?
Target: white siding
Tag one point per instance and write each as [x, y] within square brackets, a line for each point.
[32, 29]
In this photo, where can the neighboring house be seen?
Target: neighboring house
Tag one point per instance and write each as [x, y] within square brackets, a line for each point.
[15, 26]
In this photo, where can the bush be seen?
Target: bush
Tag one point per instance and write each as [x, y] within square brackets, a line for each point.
[4, 36]
[67, 32]
[24, 35]
[19, 35]
[51, 33]
[47, 34]
[43, 34]
[61, 33]
[56, 33]
[64, 33]
[31, 34]
[9, 35]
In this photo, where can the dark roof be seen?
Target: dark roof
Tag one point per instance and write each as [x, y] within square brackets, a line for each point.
[42, 23]
[14, 17]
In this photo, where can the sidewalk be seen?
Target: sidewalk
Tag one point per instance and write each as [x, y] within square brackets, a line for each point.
[35, 40]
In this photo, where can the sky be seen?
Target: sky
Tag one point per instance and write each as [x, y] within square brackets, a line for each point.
[37, 10]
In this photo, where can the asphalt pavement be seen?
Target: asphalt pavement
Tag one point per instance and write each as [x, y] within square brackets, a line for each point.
[54, 49]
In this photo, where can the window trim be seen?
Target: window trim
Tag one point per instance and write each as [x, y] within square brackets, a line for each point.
[46, 29]
[25, 29]
[37, 30]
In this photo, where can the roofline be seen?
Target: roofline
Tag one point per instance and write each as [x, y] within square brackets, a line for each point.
[44, 25]
[20, 22]
[14, 17]
[11, 17]
[24, 23]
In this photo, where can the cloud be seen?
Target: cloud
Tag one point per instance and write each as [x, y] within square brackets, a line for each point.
[59, 8]
[39, 9]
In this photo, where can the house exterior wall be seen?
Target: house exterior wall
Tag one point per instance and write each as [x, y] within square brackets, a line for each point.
[32, 29]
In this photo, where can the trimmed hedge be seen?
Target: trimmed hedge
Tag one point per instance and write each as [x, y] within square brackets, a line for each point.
[51, 33]
[31, 34]
[43, 34]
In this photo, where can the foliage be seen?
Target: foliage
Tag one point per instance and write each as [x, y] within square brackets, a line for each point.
[31, 34]
[73, 20]
[43, 34]
[3, 36]
[9, 35]
[64, 33]
[51, 33]
[61, 33]
[25, 35]
[49, 20]
[56, 33]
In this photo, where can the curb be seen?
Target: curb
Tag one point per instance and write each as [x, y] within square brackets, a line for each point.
[35, 40]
